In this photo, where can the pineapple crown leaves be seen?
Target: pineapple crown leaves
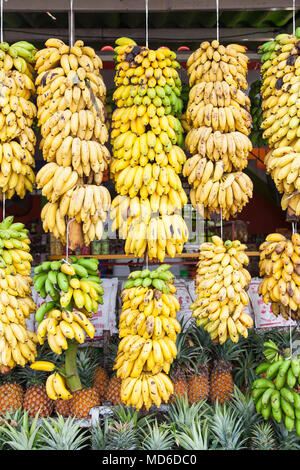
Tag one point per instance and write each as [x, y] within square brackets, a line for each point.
[86, 366]
[286, 440]
[99, 436]
[262, 436]
[244, 407]
[183, 414]
[227, 352]
[24, 436]
[194, 437]
[227, 427]
[157, 437]
[61, 434]
[191, 351]
[130, 415]
[13, 376]
[245, 366]
[122, 436]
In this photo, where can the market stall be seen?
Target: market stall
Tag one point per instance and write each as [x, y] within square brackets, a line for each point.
[149, 177]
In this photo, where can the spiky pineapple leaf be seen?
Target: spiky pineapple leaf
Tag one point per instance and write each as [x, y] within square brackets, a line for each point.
[61, 434]
[157, 437]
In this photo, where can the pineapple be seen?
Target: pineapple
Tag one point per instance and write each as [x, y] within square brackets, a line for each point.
[101, 381]
[11, 392]
[189, 372]
[198, 379]
[113, 393]
[221, 380]
[179, 380]
[87, 397]
[36, 399]
[62, 407]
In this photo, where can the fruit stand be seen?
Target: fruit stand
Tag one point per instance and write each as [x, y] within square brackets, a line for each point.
[149, 245]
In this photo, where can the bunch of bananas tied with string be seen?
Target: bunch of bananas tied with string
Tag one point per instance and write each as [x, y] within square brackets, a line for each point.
[280, 269]
[71, 113]
[148, 329]
[281, 122]
[221, 283]
[219, 122]
[146, 136]
[17, 343]
[17, 113]
[75, 293]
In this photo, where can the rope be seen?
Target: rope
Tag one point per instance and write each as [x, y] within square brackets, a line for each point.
[1, 21]
[221, 224]
[294, 228]
[294, 17]
[147, 22]
[71, 31]
[67, 242]
[218, 28]
[3, 206]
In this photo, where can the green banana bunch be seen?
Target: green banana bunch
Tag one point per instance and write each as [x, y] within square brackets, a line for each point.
[159, 279]
[271, 352]
[275, 394]
[22, 49]
[14, 247]
[75, 284]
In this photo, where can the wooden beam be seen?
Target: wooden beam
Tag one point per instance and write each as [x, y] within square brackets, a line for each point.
[170, 35]
[139, 5]
[122, 256]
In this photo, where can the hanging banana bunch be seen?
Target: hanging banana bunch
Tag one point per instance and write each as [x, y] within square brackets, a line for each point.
[280, 269]
[281, 121]
[221, 283]
[147, 158]
[148, 329]
[71, 113]
[17, 343]
[219, 121]
[17, 113]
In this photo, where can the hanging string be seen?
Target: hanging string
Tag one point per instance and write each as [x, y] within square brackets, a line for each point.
[221, 224]
[294, 229]
[1, 21]
[218, 28]
[71, 25]
[294, 17]
[67, 241]
[1, 40]
[3, 206]
[146, 22]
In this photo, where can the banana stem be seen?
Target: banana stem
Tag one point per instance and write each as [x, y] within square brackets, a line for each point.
[72, 376]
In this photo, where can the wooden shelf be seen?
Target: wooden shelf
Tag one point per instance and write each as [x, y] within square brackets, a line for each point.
[122, 256]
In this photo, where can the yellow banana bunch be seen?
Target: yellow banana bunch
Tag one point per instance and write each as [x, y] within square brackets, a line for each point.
[218, 121]
[281, 123]
[147, 329]
[71, 113]
[214, 62]
[279, 267]
[17, 112]
[56, 387]
[17, 343]
[229, 193]
[146, 390]
[283, 163]
[221, 283]
[60, 325]
[146, 136]
[87, 203]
